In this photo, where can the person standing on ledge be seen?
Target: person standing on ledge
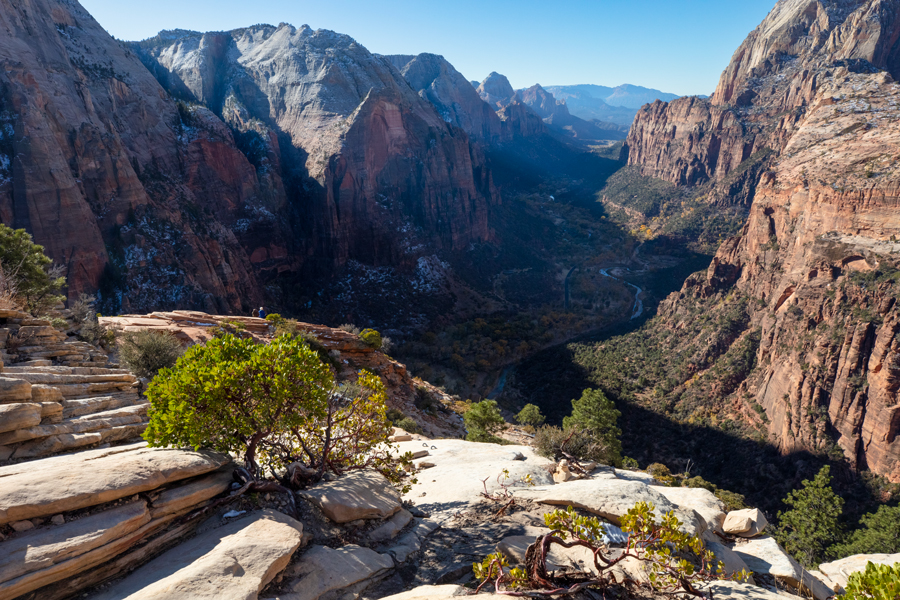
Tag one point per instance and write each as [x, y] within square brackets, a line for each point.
[262, 312]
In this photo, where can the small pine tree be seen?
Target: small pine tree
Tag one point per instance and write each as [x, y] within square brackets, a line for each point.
[483, 420]
[597, 413]
[811, 525]
[31, 272]
[879, 534]
[530, 415]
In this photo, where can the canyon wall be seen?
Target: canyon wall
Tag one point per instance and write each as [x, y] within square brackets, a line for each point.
[815, 260]
[765, 90]
[243, 157]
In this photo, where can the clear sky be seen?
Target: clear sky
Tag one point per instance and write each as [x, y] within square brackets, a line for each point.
[678, 46]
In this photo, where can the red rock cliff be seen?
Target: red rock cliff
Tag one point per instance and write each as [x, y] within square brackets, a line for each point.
[327, 155]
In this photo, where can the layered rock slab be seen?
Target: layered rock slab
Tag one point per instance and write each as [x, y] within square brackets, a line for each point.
[235, 561]
[67, 483]
[43, 556]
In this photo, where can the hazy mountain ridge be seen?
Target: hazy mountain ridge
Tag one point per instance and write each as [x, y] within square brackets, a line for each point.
[613, 104]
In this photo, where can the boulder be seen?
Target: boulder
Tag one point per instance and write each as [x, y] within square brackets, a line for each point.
[322, 570]
[14, 390]
[391, 527]
[611, 499]
[749, 522]
[71, 482]
[236, 561]
[43, 556]
[461, 466]
[19, 416]
[356, 495]
[703, 501]
[839, 571]
[764, 556]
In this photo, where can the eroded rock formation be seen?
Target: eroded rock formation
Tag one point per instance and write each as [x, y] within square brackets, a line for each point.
[764, 93]
[295, 151]
[814, 259]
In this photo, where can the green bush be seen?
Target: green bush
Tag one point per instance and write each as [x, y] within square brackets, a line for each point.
[879, 534]
[659, 471]
[555, 443]
[274, 404]
[146, 352]
[812, 524]
[371, 338]
[877, 582]
[350, 328]
[530, 415]
[274, 318]
[408, 425]
[483, 421]
[630, 463]
[28, 273]
[597, 413]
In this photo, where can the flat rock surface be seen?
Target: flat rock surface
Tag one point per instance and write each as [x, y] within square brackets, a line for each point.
[764, 556]
[322, 570]
[732, 590]
[66, 483]
[356, 495]
[235, 561]
[703, 501]
[839, 571]
[611, 499]
[437, 592]
[460, 466]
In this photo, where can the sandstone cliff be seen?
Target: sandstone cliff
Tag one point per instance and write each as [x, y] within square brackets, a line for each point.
[294, 152]
[812, 268]
[363, 155]
[816, 255]
[765, 91]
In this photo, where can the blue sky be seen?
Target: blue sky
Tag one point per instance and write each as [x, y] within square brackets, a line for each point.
[678, 46]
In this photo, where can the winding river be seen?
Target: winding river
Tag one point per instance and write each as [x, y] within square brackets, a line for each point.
[638, 292]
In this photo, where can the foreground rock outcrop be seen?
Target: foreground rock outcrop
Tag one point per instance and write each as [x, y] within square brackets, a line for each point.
[56, 393]
[73, 521]
[115, 523]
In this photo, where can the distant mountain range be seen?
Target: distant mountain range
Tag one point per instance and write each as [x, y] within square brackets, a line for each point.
[612, 104]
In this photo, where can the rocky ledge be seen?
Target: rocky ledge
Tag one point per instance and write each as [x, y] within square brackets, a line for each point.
[115, 524]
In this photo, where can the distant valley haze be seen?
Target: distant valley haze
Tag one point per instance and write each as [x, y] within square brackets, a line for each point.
[680, 48]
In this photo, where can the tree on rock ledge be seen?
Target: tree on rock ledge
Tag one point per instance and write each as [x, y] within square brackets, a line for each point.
[276, 404]
[813, 522]
[597, 413]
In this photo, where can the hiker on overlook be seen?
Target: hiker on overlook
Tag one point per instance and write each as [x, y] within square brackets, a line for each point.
[262, 312]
